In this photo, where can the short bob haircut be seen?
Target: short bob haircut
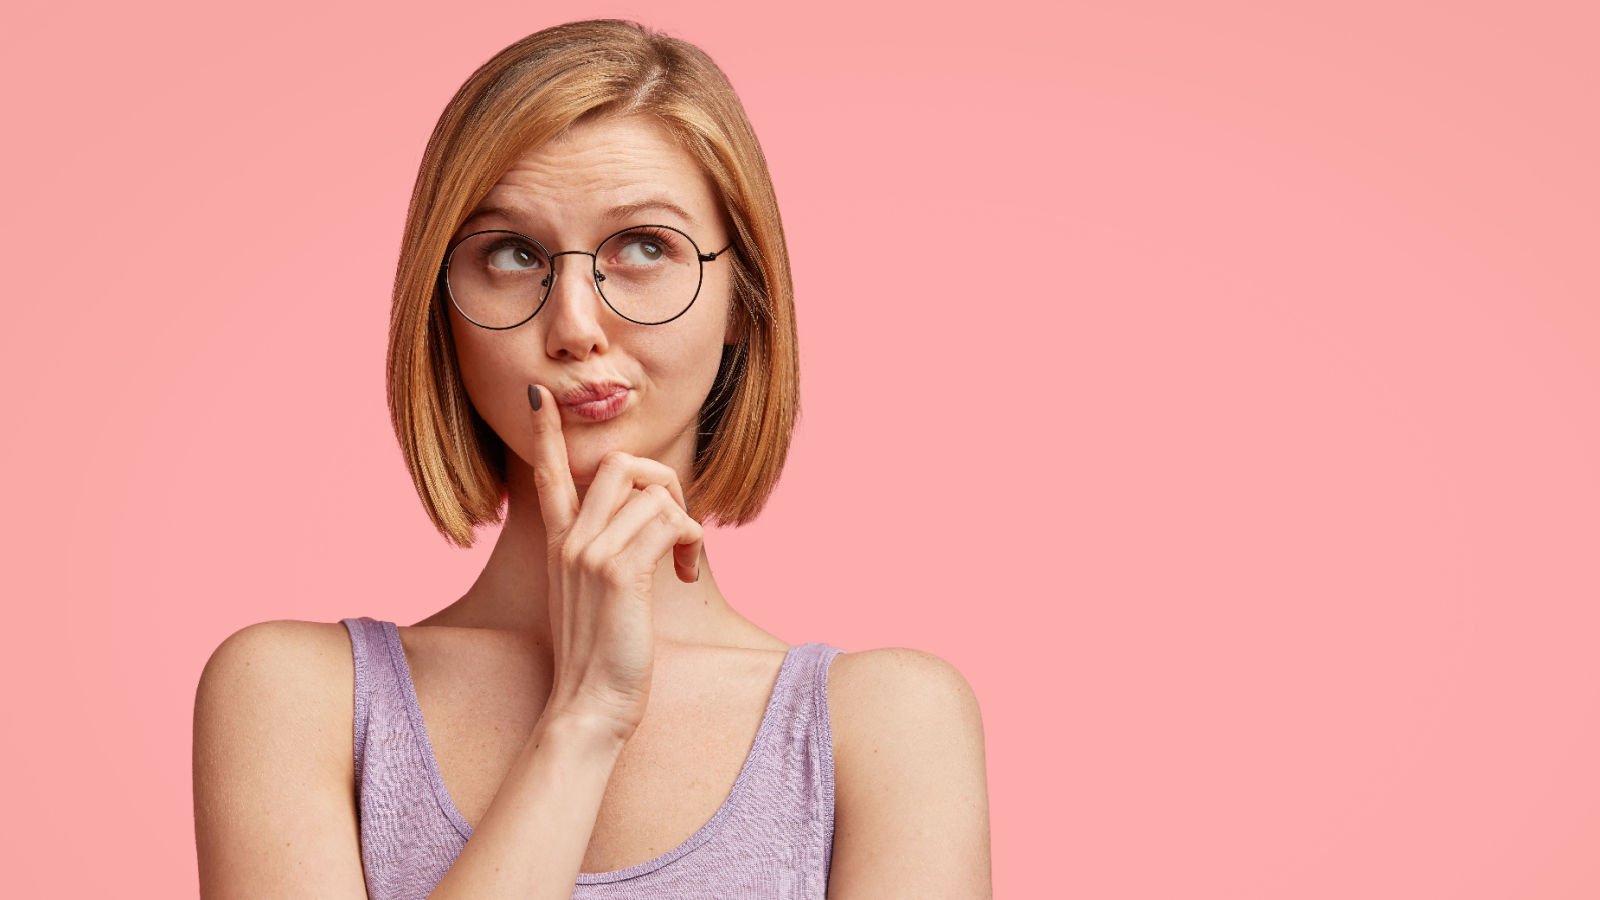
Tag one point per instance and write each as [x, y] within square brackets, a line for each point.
[527, 94]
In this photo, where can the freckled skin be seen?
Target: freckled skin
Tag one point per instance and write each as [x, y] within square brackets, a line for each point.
[565, 186]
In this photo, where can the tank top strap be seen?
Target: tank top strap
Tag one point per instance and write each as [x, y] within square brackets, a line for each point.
[796, 715]
[816, 660]
[409, 829]
[791, 770]
[822, 747]
[366, 645]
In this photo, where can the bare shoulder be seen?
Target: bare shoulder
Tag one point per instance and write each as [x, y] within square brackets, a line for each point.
[273, 769]
[910, 775]
[288, 666]
[896, 693]
[309, 641]
[869, 683]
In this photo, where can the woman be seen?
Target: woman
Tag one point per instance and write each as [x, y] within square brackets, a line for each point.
[593, 324]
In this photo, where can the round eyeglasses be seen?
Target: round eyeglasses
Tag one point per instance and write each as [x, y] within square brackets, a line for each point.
[647, 274]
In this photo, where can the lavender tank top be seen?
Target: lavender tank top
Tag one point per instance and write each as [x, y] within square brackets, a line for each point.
[771, 838]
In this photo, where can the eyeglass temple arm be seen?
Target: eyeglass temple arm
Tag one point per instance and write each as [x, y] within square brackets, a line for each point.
[711, 257]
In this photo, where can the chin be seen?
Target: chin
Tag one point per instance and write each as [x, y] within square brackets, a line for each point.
[587, 445]
[584, 452]
[583, 457]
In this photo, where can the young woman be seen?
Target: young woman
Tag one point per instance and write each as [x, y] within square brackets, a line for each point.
[593, 325]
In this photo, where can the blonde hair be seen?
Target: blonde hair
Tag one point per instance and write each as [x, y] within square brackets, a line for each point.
[525, 95]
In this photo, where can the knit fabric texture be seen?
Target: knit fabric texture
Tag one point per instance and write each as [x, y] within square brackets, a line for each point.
[771, 838]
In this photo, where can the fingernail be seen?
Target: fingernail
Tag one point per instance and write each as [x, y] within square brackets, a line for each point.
[533, 396]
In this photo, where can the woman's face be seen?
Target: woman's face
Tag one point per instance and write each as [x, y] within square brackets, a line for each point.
[562, 194]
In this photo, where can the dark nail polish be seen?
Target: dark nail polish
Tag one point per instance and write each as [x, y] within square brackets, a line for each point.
[533, 396]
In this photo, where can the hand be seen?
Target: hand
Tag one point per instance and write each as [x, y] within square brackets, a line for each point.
[602, 560]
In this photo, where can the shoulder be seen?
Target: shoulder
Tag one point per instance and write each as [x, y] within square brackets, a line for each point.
[280, 658]
[868, 690]
[273, 762]
[282, 675]
[910, 774]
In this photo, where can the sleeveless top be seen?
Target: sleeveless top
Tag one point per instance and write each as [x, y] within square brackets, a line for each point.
[771, 838]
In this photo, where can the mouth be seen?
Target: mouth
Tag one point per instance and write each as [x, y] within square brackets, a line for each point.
[600, 409]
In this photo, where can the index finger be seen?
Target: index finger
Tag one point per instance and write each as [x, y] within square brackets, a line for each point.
[552, 474]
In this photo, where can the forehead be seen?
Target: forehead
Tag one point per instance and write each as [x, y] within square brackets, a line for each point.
[573, 185]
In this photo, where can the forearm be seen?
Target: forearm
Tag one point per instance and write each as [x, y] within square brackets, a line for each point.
[532, 839]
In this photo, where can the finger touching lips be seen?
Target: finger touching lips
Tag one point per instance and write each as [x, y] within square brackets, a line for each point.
[552, 473]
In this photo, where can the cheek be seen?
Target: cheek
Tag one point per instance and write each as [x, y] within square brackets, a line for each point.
[682, 366]
[486, 376]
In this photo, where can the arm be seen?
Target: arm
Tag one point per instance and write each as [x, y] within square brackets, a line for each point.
[274, 798]
[532, 839]
[274, 782]
[911, 793]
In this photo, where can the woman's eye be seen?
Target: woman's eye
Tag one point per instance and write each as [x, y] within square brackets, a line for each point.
[643, 251]
[513, 258]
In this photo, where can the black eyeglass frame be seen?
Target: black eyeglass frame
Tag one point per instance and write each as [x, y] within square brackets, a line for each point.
[594, 258]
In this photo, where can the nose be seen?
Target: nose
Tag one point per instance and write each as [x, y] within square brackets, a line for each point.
[573, 309]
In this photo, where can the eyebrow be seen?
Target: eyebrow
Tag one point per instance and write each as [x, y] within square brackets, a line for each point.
[615, 213]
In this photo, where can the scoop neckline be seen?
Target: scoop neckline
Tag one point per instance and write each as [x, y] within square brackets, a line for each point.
[704, 833]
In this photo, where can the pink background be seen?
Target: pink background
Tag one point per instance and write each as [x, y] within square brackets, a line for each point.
[1243, 453]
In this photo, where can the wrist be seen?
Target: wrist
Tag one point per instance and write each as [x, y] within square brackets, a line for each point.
[587, 734]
